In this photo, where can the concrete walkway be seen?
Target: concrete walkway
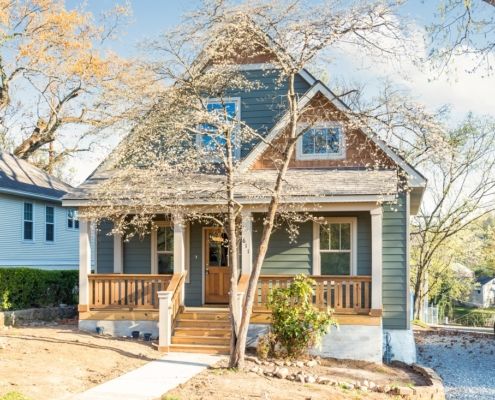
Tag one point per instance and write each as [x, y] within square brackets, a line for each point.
[152, 380]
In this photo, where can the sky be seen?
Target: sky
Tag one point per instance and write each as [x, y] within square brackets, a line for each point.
[463, 91]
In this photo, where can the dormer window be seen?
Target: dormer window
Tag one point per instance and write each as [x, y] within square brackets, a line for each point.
[229, 107]
[324, 141]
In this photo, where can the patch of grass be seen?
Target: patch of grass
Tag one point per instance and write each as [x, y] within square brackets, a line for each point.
[474, 316]
[419, 323]
[14, 396]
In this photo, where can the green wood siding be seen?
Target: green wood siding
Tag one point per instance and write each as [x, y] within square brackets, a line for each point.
[262, 107]
[104, 248]
[137, 255]
[394, 265]
[194, 289]
[286, 257]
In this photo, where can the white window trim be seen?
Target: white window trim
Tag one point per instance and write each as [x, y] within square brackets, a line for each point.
[32, 221]
[316, 243]
[237, 101]
[53, 223]
[154, 251]
[73, 219]
[321, 125]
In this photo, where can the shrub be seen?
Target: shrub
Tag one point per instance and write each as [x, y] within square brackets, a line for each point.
[28, 287]
[297, 325]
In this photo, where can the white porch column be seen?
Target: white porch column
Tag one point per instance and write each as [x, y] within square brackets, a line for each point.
[118, 255]
[376, 259]
[179, 245]
[84, 264]
[246, 243]
[164, 321]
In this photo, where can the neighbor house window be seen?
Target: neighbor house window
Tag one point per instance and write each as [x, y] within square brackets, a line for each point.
[322, 141]
[225, 108]
[165, 250]
[72, 219]
[28, 229]
[49, 224]
[335, 247]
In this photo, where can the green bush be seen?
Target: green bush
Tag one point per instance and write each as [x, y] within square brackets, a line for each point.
[297, 325]
[27, 287]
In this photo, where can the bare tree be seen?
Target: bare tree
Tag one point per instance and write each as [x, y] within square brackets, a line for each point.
[201, 64]
[464, 28]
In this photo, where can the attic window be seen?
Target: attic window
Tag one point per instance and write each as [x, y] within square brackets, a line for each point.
[321, 142]
[212, 140]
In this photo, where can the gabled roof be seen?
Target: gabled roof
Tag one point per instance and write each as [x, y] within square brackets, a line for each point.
[18, 177]
[415, 178]
[483, 280]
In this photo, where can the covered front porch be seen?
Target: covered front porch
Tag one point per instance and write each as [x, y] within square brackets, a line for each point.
[184, 266]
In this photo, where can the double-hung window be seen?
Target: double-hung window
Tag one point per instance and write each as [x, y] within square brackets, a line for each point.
[165, 250]
[72, 219]
[335, 250]
[49, 224]
[225, 109]
[324, 141]
[28, 222]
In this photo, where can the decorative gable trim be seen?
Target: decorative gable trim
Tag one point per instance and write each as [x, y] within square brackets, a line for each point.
[415, 178]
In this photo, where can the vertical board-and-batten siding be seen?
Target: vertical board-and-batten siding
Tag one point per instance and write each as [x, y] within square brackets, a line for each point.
[394, 266]
[104, 248]
[62, 253]
[194, 289]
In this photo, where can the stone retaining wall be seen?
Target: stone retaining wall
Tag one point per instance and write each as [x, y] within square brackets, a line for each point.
[30, 315]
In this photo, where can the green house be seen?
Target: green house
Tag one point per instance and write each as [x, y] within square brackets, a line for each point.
[174, 282]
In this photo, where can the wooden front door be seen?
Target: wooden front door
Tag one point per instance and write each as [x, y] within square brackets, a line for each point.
[217, 270]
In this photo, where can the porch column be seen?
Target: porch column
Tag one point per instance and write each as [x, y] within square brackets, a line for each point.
[84, 264]
[164, 321]
[118, 255]
[376, 260]
[179, 245]
[246, 243]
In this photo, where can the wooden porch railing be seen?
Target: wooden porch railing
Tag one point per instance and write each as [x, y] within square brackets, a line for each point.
[126, 291]
[176, 287]
[344, 294]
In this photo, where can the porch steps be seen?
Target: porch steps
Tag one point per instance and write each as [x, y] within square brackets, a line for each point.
[202, 330]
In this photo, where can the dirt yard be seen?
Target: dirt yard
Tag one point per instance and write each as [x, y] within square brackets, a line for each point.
[54, 362]
[222, 383]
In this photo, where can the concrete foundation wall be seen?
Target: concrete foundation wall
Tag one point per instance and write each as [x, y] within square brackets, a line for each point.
[120, 328]
[351, 342]
[403, 344]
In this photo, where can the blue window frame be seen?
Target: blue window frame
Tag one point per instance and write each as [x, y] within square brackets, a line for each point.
[28, 222]
[49, 224]
[321, 142]
[230, 107]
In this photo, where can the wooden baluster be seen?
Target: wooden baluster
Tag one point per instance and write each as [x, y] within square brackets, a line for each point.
[347, 295]
[367, 295]
[100, 294]
[357, 296]
[319, 294]
[329, 294]
[339, 295]
[264, 292]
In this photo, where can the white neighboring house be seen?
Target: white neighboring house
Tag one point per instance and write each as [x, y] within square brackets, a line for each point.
[483, 295]
[35, 230]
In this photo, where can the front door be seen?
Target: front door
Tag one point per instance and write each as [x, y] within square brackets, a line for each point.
[217, 270]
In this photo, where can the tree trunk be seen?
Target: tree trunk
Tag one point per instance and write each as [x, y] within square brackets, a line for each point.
[237, 358]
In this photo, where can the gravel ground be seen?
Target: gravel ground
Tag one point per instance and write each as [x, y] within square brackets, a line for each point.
[466, 362]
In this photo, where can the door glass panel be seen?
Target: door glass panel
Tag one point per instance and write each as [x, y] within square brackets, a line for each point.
[217, 249]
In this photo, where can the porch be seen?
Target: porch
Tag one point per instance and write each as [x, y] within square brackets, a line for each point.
[166, 299]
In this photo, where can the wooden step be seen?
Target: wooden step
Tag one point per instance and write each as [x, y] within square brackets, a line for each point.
[213, 316]
[209, 332]
[200, 348]
[209, 340]
[202, 324]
